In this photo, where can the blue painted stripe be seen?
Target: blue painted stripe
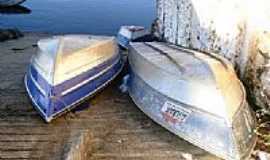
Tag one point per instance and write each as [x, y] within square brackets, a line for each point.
[36, 105]
[40, 100]
[67, 100]
[58, 89]
[123, 41]
[43, 84]
[48, 107]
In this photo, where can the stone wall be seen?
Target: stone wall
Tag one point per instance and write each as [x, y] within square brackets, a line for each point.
[237, 29]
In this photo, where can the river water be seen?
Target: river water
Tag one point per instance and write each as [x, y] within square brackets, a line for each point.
[79, 16]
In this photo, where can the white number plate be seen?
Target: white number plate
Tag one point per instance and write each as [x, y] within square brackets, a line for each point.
[174, 113]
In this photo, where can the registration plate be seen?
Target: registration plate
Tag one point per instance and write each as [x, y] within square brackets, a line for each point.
[174, 113]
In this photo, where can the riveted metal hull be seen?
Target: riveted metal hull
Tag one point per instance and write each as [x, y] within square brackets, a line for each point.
[153, 87]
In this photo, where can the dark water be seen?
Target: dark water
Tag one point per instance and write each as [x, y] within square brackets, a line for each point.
[80, 16]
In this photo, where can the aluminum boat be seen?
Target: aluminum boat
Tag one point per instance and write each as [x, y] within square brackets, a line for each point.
[128, 34]
[9, 3]
[68, 69]
[195, 95]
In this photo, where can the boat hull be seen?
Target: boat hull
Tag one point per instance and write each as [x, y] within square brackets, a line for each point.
[65, 96]
[165, 84]
[9, 3]
[129, 34]
[202, 129]
[123, 41]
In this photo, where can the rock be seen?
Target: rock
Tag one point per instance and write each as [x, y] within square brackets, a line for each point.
[7, 34]
[236, 29]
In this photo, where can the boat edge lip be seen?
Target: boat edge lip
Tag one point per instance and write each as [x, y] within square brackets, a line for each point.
[73, 105]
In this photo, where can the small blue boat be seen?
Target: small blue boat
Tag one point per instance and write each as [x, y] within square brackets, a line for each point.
[129, 34]
[68, 69]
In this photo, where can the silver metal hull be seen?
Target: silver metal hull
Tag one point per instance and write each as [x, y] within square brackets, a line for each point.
[229, 139]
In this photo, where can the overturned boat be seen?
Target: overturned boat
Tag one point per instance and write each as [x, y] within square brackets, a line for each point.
[195, 95]
[128, 34]
[68, 69]
[9, 3]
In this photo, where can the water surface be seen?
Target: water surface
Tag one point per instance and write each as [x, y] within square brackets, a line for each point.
[81, 16]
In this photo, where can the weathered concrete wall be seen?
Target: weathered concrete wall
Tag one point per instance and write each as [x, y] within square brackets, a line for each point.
[236, 29]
